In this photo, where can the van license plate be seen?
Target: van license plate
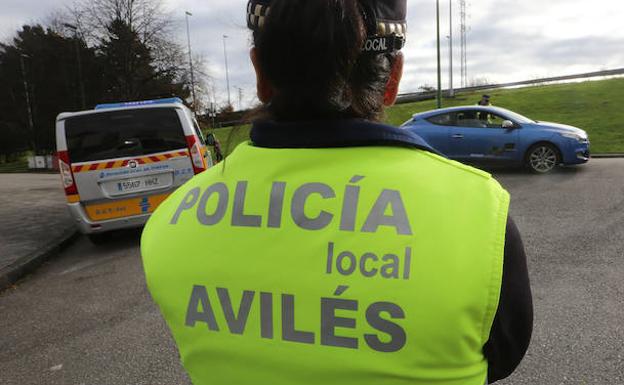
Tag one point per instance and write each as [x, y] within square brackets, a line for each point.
[138, 184]
[142, 183]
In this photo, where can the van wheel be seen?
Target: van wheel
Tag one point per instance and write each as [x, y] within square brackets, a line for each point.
[542, 158]
[99, 238]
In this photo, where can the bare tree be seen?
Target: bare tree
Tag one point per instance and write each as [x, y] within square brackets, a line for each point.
[147, 17]
[151, 21]
[156, 28]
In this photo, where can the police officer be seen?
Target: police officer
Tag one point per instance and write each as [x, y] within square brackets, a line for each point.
[330, 248]
[484, 116]
[485, 101]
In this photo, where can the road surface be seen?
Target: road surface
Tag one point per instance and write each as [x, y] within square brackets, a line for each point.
[86, 317]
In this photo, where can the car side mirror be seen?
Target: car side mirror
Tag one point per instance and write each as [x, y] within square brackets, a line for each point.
[210, 139]
[508, 124]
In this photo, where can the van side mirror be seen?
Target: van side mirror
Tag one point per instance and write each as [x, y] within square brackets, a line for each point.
[210, 139]
[508, 124]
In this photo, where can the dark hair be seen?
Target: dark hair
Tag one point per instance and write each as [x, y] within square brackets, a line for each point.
[310, 51]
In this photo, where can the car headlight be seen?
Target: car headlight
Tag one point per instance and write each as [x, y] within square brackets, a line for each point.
[581, 138]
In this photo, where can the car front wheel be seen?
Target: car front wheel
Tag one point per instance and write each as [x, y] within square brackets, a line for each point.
[542, 158]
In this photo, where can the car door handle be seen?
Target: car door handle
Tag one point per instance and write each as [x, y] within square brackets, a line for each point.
[458, 136]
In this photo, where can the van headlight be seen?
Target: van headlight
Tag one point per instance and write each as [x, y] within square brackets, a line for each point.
[581, 138]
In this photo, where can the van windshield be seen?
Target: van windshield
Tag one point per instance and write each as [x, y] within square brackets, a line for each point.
[126, 133]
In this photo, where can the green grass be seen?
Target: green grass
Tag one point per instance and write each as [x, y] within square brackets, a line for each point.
[595, 106]
[230, 137]
[17, 166]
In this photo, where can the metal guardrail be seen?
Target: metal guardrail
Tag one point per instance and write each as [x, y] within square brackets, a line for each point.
[429, 95]
[420, 96]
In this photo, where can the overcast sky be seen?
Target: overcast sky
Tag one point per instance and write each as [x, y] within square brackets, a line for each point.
[508, 39]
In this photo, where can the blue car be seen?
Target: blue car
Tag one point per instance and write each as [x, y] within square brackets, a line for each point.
[496, 136]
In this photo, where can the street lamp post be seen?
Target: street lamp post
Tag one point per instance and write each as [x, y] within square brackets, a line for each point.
[188, 36]
[213, 104]
[80, 83]
[213, 114]
[227, 74]
[439, 93]
[240, 98]
[451, 90]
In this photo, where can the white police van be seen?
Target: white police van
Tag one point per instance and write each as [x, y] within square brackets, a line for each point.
[119, 161]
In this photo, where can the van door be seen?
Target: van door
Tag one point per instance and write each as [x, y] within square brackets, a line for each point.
[125, 162]
[204, 147]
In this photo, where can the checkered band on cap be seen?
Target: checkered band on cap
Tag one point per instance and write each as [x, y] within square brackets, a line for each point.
[380, 12]
[256, 14]
[385, 28]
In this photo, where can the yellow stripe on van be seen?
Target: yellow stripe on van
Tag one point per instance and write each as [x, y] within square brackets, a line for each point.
[124, 208]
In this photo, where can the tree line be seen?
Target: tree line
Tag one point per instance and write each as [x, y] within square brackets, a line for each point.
[97, 51]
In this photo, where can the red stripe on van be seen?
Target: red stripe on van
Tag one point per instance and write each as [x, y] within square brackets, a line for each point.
[119, 163]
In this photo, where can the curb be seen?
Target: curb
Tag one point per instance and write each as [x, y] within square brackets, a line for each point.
[27, 264]
[607, 156]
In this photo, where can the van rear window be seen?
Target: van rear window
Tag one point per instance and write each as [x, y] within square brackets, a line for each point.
[126, 133]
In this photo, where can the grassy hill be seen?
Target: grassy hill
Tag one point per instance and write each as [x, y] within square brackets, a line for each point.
[595, 106]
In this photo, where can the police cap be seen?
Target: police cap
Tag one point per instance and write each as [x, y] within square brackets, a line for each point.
[385, 22]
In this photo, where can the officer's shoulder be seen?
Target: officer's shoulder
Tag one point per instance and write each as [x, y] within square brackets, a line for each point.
[458, 174]
[442, 162]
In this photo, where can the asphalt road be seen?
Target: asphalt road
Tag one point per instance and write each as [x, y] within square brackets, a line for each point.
[24, 233]
[86, 317]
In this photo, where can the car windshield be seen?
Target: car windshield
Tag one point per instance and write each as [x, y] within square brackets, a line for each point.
[126, 133]
[517, 117]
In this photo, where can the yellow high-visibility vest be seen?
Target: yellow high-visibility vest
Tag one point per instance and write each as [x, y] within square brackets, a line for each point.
[363, 265]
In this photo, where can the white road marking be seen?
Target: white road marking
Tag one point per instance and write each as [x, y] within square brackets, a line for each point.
[86, 264]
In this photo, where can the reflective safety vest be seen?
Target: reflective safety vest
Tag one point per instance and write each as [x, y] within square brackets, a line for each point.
[349, 266]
